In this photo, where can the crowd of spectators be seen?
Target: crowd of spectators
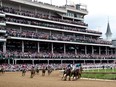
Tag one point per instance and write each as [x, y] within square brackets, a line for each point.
[39, 15]
[46, 55]
[85, 66]
[46, 16]
[19, 67]
[58, 37]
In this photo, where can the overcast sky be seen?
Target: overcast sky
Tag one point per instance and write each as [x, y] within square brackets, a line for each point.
[99, 12]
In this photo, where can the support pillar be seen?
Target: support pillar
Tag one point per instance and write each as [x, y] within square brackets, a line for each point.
[52, 48]
[22, 46]
[64, 49]
[48, 62]
[75, 51]
[106, 50]
[8, 61]
[4, 47]
[38, 47]
[1, 3]
[15, 61]
[61, 62]
[85, 50]
[99, 51]
[92, 50]
[33, 62]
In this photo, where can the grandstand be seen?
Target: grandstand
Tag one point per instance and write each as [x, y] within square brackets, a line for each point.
[35, 32]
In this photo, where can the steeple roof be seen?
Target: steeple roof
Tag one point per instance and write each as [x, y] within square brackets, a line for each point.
[108, 31]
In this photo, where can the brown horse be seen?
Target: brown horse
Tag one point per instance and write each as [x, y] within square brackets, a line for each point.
[23, 72]
[43, 71]
[67, 72]
[75, 74]
[49, 71]
[2, 70]
[32, 72]
[37, 71]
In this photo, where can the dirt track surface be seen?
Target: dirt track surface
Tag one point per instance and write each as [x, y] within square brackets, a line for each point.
[14, 79]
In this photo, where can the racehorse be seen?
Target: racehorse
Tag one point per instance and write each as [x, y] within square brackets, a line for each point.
[23, 72]
[49, 71]
[67, 72]
[37, 70]
[32, 72]
[43, 71]
[2, 70]
[75, 74]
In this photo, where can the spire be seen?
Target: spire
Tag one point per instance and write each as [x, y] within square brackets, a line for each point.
[108, 32]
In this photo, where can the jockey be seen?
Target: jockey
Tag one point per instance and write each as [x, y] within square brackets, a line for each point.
[77, 66]
[69, 66]
[73, 67]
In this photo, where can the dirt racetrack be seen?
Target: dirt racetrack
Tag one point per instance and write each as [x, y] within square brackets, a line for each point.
[14, 79]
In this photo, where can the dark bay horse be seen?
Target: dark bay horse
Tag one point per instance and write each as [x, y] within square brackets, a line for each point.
[32, 72]
[2, 70]
[23, 72]
[67, 72]
[75, 74]
[43, 71]
[49, 71]
[37, 70]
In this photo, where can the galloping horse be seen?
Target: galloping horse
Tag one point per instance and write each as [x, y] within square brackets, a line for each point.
[2, 70]
[49, 71]
[67, 72]
[75, 74]
[37, 70]
[23, 72]
[32, 72]
[43, 71]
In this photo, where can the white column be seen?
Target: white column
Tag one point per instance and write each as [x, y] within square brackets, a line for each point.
[20, 9]
[99, 51]
[1, 3]
[35, 11]
[49, 14]
[61, 62]
[106, 51]
[33, 62]
[85, 49]
[62, 17]
[92, 50]
[48, 62]
[64, 49]
[8, 61]
[52, 48]
[15, 61]
[36, 31]
[38, 47]
[20, 29]
[75, 51]
[4, 47]
[50, 33]
[22, 46]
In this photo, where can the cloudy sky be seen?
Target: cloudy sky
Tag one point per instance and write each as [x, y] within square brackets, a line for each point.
[99, 13]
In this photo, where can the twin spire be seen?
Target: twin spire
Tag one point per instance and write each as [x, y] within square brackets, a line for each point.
[108, 32]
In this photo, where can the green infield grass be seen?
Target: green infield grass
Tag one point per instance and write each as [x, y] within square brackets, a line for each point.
[100, 75]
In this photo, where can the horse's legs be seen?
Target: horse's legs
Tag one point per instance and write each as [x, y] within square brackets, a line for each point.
[31, 76]
[65, 77]
[69, 77]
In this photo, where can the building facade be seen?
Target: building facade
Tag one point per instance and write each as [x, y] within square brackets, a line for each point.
[36, 32]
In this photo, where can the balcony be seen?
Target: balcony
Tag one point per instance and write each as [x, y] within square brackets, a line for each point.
[2, 15]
